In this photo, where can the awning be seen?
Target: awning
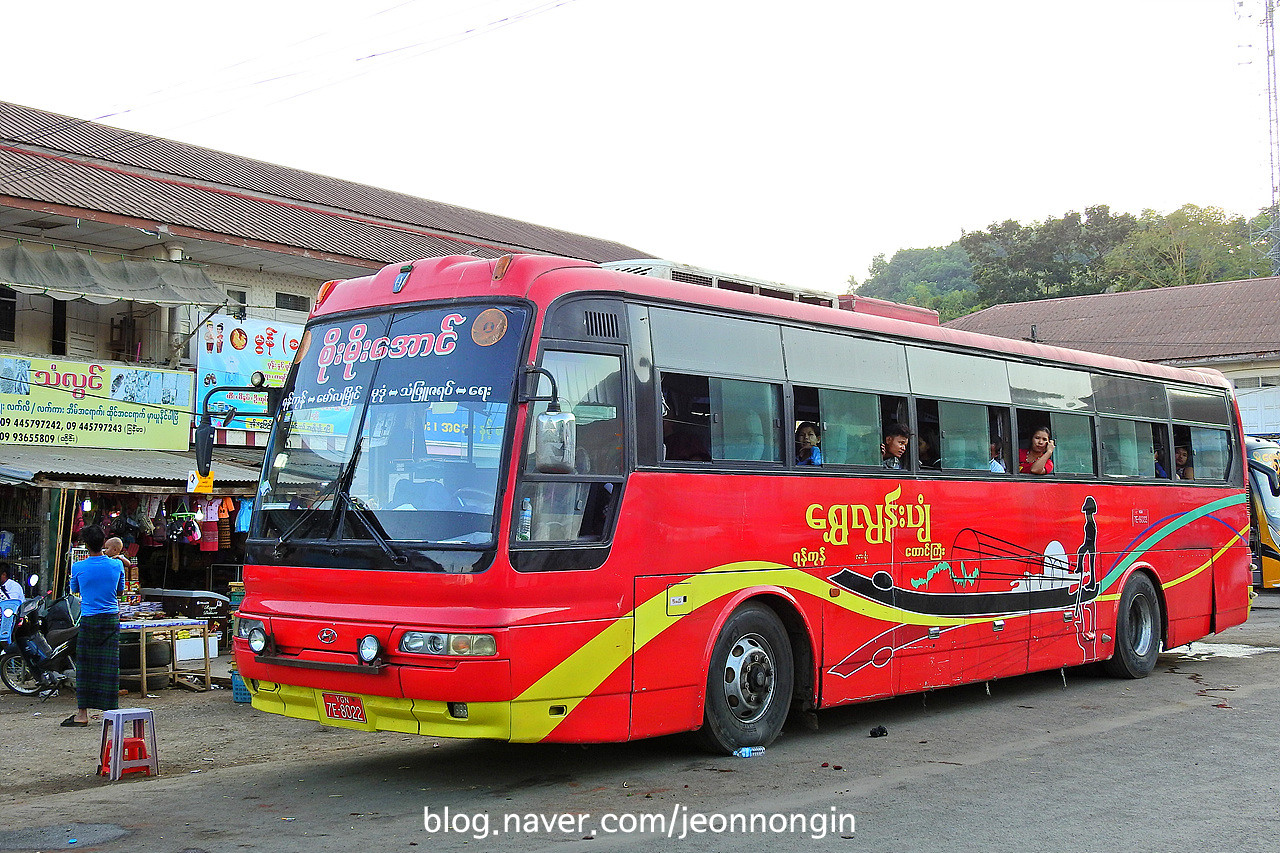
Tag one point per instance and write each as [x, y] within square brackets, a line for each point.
[157, 471]
[79, 275]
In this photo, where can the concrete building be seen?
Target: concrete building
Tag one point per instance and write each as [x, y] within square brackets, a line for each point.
[126, 260]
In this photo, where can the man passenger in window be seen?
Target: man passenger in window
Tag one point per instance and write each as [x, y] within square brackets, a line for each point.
[996, 465]
[808, 438]
[1036, 458]
[894, 448]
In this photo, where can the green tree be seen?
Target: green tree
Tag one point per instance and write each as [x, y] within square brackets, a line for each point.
[938, 278]
[1192, 245]
[1058, 257]
[939, 270]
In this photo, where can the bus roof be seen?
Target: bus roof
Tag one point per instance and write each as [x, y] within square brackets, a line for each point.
[543, 279]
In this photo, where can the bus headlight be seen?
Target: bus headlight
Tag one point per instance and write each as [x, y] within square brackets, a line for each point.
[244, 625]
[457, 645]
[257, 639]
[368, 648]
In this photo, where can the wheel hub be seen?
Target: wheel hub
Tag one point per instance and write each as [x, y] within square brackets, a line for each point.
[749, 678]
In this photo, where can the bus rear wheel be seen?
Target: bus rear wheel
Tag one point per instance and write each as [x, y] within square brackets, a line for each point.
[1137, 630]
[749, 681]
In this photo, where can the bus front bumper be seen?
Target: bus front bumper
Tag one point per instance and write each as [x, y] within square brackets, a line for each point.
[525, 721]
[385, 713]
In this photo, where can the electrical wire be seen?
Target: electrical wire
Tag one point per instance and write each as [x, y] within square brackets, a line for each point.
[140, 140]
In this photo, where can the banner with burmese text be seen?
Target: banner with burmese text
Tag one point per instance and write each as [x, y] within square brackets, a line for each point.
[60, 403]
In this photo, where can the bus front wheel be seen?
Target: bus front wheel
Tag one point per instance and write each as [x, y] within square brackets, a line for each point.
[1137, 630]
[749, 682]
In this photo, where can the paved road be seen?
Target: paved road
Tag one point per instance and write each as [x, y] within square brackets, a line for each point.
[1183, 760]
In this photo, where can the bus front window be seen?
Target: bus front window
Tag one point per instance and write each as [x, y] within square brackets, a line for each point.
[425, 396]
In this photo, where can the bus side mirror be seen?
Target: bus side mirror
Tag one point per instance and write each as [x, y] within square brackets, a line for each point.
[1269, 473]
[204, 446]
[555, 443]
[555, 437]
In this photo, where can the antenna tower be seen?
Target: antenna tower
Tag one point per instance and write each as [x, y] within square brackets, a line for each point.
[1273, 130]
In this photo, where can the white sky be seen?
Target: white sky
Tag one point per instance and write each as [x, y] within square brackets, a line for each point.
[786, 141]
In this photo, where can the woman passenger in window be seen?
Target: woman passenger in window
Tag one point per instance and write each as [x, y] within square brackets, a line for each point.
[1036, 458]
[808, 437]
[1182, 463]
[927, 450]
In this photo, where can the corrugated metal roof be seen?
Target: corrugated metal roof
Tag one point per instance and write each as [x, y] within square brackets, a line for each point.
[1194, 321]
[68, 161]
[133, 467]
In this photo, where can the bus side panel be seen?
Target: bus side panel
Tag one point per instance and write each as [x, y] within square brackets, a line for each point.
[1232, 578]
[594, 719]
[859, 655]
[673, 630]
[1188, 597]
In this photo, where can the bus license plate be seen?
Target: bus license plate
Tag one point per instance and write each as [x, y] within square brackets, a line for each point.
[340, 706]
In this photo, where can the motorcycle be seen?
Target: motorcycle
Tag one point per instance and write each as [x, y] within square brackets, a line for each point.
[39, 640]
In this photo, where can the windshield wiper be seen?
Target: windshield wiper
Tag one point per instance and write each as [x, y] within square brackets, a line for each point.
[341, 490]
[376, 531]
[338, 487]
[307, 514]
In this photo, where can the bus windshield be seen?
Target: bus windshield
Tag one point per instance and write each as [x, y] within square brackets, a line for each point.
[1267, 455]
[393, 428]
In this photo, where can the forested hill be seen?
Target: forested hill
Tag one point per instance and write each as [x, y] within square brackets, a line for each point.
[1072, 255]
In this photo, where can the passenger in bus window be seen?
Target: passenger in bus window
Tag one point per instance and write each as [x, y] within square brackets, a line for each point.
[894, 448]
[1036, 458]
[1182, 463]
[1161, 472]
[927, 450]
[808, 437]
[997, 457]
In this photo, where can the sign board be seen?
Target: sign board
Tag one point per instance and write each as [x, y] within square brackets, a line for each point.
[60, 403]
[198, 485]
[230, 351]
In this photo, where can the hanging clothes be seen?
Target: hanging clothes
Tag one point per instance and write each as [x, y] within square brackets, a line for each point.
[243, 512]
[225, 507]
[209, 527]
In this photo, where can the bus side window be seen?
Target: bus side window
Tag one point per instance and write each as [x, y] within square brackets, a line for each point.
[928, 438]
[850, 423]
[1162, 459]
[686, 418]
[1211, 451]
[1072, 435]
[746, 420]
[893, 412]
[1001, 446]
[965, 431]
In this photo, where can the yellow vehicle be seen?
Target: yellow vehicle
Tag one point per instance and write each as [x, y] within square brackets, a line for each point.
[1264, 509]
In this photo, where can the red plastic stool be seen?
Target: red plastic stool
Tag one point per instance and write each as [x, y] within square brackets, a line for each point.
[135, 755]
[119, 754]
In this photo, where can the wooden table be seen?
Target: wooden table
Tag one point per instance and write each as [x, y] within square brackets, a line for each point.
[168, 630]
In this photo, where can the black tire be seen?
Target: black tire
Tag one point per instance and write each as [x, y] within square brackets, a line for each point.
[18, 676]
[748, 682]
[1138, 627]
[159, 654]
[157, 678]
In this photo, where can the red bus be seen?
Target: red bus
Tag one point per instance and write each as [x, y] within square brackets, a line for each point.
[532, 499]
